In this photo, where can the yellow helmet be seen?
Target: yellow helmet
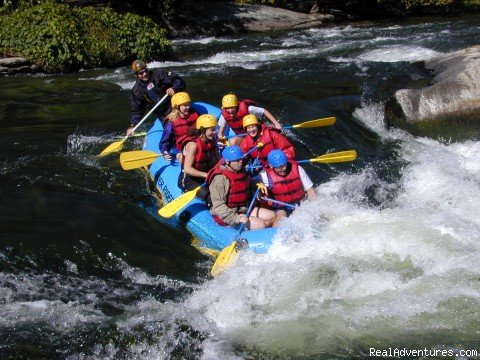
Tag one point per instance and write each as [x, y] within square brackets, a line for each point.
[206, 121]
[229, 100]
[180, 98]
[138, 65]
[250, 119]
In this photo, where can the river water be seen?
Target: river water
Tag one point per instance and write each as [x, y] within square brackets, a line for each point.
[387, 257]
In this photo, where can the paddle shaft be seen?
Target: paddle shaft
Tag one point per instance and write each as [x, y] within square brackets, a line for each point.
[228, 255]
[118, 145]
[259, 145]
[307, 124]
[247, 214]
[146, 116]
[341, 156]
[279, 202]
[150, 112]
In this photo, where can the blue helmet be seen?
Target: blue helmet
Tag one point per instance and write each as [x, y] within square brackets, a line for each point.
[232, 153]
[276, 158]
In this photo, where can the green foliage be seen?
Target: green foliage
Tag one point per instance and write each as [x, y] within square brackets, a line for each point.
[375, 8]
[59, 38]
[472, 4]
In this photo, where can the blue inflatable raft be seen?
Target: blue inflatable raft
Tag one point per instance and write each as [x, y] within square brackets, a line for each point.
[196, 216]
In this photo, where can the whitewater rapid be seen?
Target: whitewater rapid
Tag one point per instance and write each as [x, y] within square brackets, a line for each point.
[388, 255]
[342, 272]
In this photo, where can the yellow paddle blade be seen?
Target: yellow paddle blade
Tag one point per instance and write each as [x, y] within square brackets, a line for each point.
[113, 147]
[316, 123]
[225, 259]
[341, 156]
[178, 204]
[135, 159]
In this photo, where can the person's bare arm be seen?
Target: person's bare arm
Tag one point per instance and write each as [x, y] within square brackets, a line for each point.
[272, 119]
[190, 153]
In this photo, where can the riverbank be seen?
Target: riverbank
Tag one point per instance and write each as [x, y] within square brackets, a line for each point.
[203, 18]
[206, 18]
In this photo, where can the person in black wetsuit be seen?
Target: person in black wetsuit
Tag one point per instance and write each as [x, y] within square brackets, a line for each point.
[149, 88]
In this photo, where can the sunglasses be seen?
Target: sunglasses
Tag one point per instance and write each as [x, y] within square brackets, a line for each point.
[142, 72]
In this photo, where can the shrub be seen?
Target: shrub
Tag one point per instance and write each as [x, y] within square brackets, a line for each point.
[58, 38]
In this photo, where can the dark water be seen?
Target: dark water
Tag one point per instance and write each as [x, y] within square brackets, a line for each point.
[87, 270]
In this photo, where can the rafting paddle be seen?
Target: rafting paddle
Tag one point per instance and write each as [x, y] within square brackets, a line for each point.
[307, 124]
[180, 202]
[278, 202]
[313, 123]
[138, 158]
[340, 156]
[227, 256]
[336, 157]
[118, 145]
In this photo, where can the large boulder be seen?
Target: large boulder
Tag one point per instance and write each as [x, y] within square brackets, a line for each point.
[221, 18]
[16, 64]
[454, 92]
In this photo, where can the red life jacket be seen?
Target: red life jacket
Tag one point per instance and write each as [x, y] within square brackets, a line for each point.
[265, 138]
[205, 157]
[239, 182]
[236, 122]
[180, 129]
[288, 188]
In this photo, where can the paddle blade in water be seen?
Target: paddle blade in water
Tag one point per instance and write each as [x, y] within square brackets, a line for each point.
[225, 259]
[341, 156]
[178, 204]
[138, 158]
[113, 147]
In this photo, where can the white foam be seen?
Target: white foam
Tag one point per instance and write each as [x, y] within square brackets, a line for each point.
[397, 53]
[342, 268]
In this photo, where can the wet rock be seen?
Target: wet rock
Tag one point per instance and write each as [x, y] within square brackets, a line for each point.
[454, 91]
[16, 64]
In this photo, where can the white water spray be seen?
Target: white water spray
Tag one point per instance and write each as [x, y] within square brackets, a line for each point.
[342, 271]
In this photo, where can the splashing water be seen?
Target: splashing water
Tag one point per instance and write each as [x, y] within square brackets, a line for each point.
[342, 272]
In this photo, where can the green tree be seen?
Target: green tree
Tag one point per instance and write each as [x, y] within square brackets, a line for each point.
[58, 37]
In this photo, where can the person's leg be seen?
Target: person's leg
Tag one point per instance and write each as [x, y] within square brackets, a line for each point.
[280, 215]
[256, 223]
[267, 215]
[262, 218]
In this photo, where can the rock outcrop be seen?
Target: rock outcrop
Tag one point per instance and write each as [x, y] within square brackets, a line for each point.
[222, 18]
[454, 92]
[16, 64]
[265, 18]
